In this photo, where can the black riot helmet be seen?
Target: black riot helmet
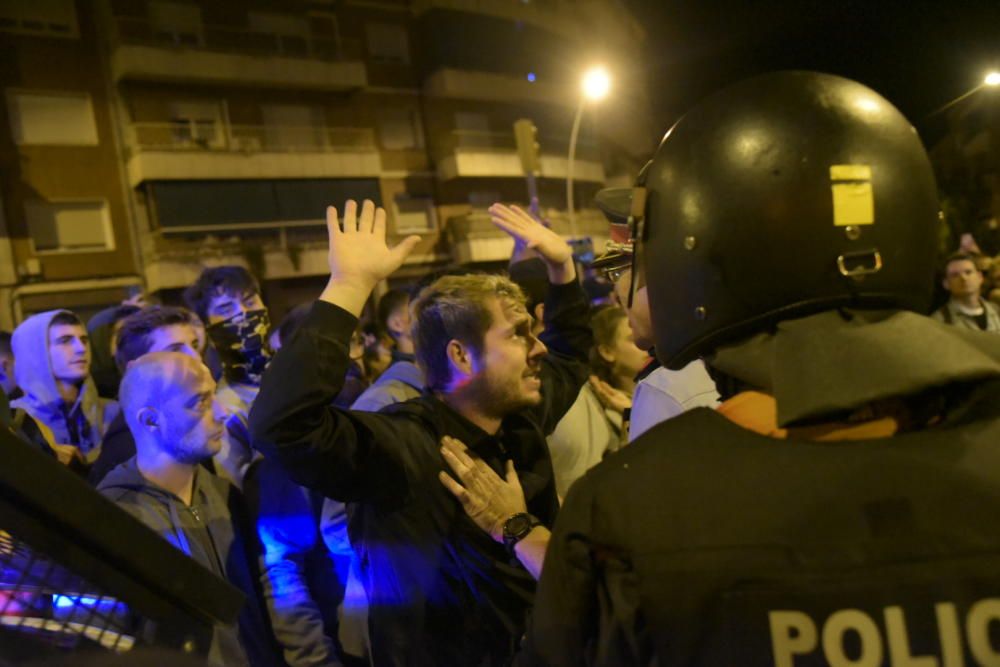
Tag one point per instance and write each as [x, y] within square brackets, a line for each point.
[778, 197]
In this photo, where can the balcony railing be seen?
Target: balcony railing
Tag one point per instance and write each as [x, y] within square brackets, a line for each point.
[141, 31]
[192, 135]
[556, 15]
[503, 142]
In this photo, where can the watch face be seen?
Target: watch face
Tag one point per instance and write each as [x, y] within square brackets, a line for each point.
[517, 524]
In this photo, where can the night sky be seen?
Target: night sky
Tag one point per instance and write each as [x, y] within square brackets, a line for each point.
[918, 54]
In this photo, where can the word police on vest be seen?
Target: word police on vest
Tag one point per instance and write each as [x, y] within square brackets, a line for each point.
[854, 637]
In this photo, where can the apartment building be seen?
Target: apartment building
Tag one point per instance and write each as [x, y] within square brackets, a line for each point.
[65, 235]
[967, 165]
[224, 128]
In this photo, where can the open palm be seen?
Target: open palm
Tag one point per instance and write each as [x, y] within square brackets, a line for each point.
[358, 251]
[526, 229]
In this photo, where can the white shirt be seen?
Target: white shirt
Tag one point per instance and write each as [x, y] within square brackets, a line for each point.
[665, 393]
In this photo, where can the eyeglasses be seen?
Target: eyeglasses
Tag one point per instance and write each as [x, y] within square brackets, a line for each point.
[615, 273]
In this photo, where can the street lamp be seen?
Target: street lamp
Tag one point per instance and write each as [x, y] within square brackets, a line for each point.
[595, 86]
[992, 79]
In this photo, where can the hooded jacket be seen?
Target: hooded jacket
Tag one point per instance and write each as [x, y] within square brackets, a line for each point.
[212, 531]
[400, 382]
[82, 424]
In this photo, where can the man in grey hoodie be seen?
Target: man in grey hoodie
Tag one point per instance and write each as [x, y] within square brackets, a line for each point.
[168, 399]
[53, 370]
[403, 380]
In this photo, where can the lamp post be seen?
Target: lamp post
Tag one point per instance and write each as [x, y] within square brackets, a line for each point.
[991, 80]
[595, 85]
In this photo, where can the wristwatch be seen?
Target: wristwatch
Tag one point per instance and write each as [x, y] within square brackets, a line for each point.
[516, 528]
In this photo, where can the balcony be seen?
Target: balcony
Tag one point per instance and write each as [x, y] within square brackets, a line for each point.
[191, 150]
[558, 16]
[216, 54]
[490, 86]
[477, 154]
[475, 239]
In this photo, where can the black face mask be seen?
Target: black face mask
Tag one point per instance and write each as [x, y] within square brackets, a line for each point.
[241, 342]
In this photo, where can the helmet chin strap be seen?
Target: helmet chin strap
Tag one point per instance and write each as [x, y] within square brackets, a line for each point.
[637, 227]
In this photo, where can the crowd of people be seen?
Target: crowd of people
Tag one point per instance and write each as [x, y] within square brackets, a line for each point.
[386, 491]
[151, 404]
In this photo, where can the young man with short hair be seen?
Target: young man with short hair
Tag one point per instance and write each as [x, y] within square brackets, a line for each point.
[53, 370]
[440, 591]
[169, 404]
[966, 307]
[403, 379]
[228, 300]
[154, 329]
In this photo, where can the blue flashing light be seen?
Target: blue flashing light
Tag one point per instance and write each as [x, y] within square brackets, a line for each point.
[531, 77]
[65, 601]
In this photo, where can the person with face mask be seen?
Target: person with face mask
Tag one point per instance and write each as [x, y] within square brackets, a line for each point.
[53, 356]
[170, 406]
[228, 301]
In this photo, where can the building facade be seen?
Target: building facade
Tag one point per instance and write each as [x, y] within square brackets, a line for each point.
[151, 138]
[967, 166]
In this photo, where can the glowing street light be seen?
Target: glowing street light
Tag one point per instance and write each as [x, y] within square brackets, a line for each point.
[991, 80]
[595, 85]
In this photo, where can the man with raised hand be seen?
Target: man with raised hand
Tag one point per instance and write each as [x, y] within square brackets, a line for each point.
[440, 591]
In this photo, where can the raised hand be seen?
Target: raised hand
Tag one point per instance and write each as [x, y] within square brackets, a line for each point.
[358, 256]
[488, 500]
[358, 250]
[530, 232]
[521, 250]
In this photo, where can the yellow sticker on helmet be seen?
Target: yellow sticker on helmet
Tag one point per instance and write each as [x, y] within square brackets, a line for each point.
[853, 199]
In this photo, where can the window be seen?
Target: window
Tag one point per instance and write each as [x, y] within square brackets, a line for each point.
[388, 43]
[291, 33]
[51, 18]
[176, 23]
[414, 215]
[400, 129]
[324, 35]
[51, 118]
[69, 226]
[197, 124]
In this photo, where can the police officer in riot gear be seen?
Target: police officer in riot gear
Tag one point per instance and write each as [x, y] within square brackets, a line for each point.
[841, 506]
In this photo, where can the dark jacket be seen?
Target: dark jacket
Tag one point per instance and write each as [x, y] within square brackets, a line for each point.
[441, 592]
[213, 531]
[707, 542]
[117, 448]
[100, 328]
